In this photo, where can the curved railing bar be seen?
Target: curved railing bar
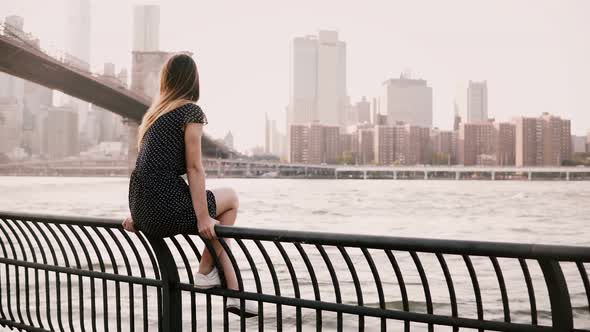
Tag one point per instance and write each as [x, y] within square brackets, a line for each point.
[584, 276]
[502, 285]
[24, 256]
[117, 283]
[5, 255]
[275, 282]
[378, 283]
[425, 286]
[157, 275]
[61, 228]
[101, 265]
[476, 289]
[17, 224]
[141, 274]
[256, 281]
[530, 289]
[191, 280]
[80, 285]
[314, 283]
[450, 287]
[402, 286]
[238, 273]
[92, 284]
[44, 261]
[335, 283]
[49, 247]
[68, 276]
[294, 281]
[8, 296]
[129, 272]
[195, 250]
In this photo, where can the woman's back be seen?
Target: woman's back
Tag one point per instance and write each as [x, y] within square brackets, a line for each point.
[163, 151]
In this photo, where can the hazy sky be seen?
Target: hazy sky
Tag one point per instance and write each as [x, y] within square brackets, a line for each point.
[535, 54]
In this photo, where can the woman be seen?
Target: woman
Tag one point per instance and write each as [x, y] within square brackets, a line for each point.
[160, 201]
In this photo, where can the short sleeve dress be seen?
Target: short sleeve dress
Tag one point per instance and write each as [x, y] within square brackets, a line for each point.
[159, 198]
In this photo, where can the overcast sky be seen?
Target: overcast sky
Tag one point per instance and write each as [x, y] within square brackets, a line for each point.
[535, 54]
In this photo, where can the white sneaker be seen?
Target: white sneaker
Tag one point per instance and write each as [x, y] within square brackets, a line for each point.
[250, 307]
[207, 281]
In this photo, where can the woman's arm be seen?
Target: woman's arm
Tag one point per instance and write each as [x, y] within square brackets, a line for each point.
[196, 179]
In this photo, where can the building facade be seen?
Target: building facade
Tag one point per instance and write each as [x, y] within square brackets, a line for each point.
[318, 80]
[146, 28]
[542, 141]
[477, 102]
[476, 141]
[407, 100]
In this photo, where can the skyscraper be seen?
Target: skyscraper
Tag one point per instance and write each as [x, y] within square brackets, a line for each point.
[477, 102]
[146, 28]
[318, 79]
[408, 100]
[363, 109]
[78, 29]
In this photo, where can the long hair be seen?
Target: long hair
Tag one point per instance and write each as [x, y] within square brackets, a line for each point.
[179, 85]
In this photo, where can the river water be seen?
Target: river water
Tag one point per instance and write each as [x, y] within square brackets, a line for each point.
[510, 211]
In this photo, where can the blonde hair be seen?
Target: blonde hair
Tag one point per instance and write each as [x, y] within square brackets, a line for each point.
[179, 85]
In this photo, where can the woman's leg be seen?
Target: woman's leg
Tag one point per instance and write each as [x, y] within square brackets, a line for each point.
[226, 201]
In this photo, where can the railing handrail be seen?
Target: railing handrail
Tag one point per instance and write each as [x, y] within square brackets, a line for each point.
[429, 245]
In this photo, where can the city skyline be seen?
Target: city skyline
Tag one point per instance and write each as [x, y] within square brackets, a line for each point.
[554, 66]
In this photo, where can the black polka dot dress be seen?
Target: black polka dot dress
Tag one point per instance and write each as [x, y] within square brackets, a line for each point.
[159, 198]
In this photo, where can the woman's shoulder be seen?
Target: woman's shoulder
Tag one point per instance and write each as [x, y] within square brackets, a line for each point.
[193, 113]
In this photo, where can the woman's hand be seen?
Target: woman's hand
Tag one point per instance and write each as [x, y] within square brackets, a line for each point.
[206, 227]
[128, 224]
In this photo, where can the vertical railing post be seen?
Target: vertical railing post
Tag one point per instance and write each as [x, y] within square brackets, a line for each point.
[171, 297]
[561, 306]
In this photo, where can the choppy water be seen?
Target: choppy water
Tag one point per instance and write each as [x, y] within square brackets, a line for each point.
[530, 212]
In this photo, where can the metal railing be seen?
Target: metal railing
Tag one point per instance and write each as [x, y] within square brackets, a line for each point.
[73, 274]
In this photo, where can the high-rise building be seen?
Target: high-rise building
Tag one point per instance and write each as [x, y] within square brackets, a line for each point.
[578, 144]
[542, 141]
[146, 28]
[408, 100]
[318, 80]
[298, 143]
[78, 22]
[402, 144]
[528, 136]
[78, 29]
[442, 141]
[314, 143]
[366, 144]
[60, 132]
[348, 147]
[10, 124]
[557, 140]
[505, 143]
[419, 150]
[363, 110]
[477, 102]
[476, 142]
[384, 144]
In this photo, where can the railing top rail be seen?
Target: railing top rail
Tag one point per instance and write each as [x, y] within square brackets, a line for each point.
[430, 245]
